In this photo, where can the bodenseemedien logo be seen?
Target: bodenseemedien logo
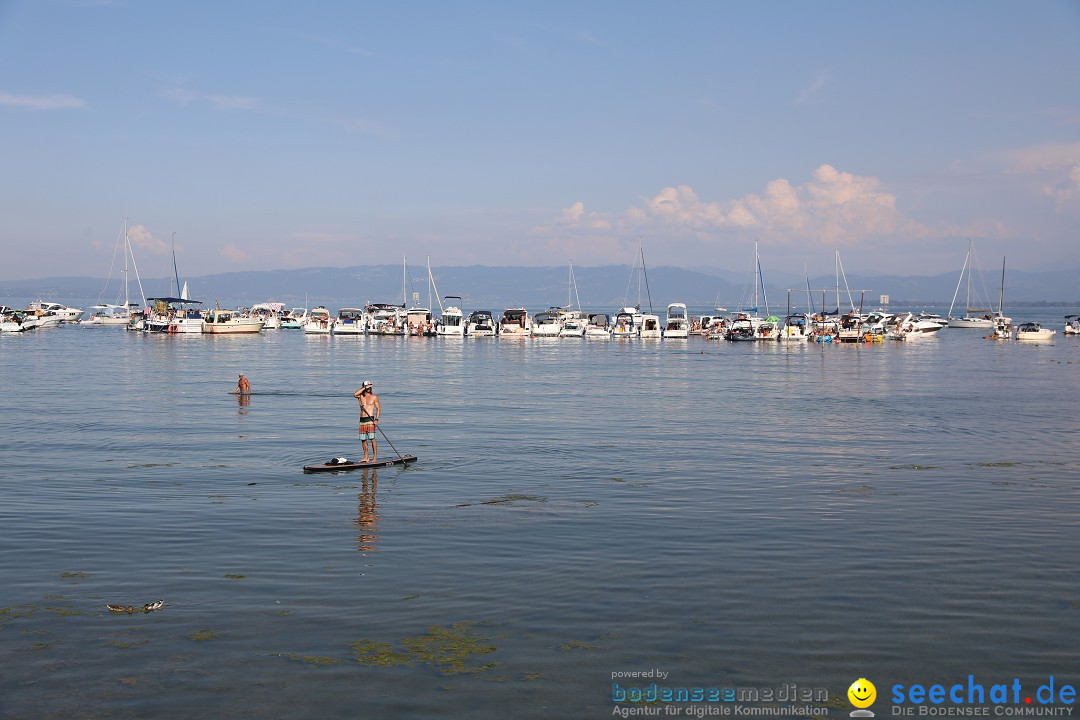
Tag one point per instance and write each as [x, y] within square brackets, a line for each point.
[862, 694]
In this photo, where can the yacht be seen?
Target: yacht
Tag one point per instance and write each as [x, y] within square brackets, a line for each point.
[270, 313]
[677, 325]
[385, 319]
[598, 326]
[624, 325]
[318, 321]
[230, 322]
[452, 321]
[515, 323]
[795, 327]
[908, 327]
[480, 324]
[573, 325]
[65, 313]
[1033, 331]
[650, 327]
[350, 321]
[1072, 325]
[547, 323]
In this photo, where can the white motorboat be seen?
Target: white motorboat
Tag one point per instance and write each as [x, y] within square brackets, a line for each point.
[318, 322]
[677, 325]
[650, 327]
[230, 322]
[418, 321]
[1033, 331]
[480, 324]
[573, 325]
[908, 327]
[109, 315]
[741, 329]
[795, 327]
[452, 320]
[10, 320]
[294, 319]
[174, 315]
[515, 323]
[767, 329]
[65, 313]
[624, 326]
[1072, 325]
[270, 313]
[598, 326]
[713, 327]
[385, 319]
[547, 323]
[350, 321]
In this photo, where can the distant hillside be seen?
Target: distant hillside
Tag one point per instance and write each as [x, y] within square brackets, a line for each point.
[534, 288]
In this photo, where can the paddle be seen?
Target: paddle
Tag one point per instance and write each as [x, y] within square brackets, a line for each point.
[387, 440]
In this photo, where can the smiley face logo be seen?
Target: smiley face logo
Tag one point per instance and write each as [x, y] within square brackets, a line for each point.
[862, 693]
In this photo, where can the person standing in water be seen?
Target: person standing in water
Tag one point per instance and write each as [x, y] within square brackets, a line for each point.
[370, 412]
[243, 387]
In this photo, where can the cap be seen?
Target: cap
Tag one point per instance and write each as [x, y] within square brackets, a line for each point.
[366, 385]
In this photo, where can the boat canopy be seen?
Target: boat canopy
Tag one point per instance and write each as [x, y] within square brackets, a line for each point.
[171, 300]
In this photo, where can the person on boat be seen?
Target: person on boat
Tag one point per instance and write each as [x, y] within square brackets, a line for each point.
[243, 387]
[370, 412]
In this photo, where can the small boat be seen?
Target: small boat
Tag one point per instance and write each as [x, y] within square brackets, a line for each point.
[677, 325]
[174, 315]
[573, 325]
[294, 319]
[350, 321]
[341, 464]
[713, 327]
[318, 322]
[908, 327]
[624, 325]
[230, 322]
[650, 327]
[65, 313]
[480, 324]
[515, 323]
[452, 320]
[385, 319]
[741, 329]
[1072, 325]
[767, 329]
[418, 320]
[548, 323]
[270, 313]
[795, 327]
[598, 326]
[109, 315]
[1033, 331]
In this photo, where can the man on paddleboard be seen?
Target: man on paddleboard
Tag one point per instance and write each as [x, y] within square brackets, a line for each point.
[370, 411]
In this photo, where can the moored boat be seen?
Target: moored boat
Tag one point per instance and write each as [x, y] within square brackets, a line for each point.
[230, 322]
[1033, 331]
[350, 321]
[677, 324]
[515, 323]
[318, 322]
[452, 320]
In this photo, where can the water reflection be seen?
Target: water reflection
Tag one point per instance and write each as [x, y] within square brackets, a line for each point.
[242, 404]
[367, 516]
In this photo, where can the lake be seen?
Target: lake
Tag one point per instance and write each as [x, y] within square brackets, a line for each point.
[743, 515]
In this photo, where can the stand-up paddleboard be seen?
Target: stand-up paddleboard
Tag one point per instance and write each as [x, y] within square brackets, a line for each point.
[335, 464]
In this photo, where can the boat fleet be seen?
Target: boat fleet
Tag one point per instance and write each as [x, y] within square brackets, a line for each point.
[184, 316]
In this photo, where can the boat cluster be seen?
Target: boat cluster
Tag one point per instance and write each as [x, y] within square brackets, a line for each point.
[173, 315]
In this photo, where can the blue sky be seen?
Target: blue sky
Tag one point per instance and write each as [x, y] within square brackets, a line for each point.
[273, 135]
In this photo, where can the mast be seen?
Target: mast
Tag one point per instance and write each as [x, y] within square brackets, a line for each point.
[962, 271]
[404, 270]
[1001, 297]
[431, 279]
[646, 274]
[127, 252]
[176, 273]
[761, 281]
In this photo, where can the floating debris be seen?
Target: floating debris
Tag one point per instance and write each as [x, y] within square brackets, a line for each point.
[129, 609]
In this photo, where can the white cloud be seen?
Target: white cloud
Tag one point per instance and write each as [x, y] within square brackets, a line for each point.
[142, 238]
[821, 79]
[833, 209]
[41, 102]
[1055, 166]
[234, 253]
[185, 97]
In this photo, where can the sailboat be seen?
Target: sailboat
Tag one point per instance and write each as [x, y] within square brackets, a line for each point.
[175, 313]
[763, 328]
[117, 314]
[973, 317]
[1002, 325]
[629, 320]
[574, 322]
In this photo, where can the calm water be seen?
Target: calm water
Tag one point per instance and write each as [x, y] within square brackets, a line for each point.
[733, 514]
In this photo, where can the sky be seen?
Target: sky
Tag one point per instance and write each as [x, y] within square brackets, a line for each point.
[274, 135]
